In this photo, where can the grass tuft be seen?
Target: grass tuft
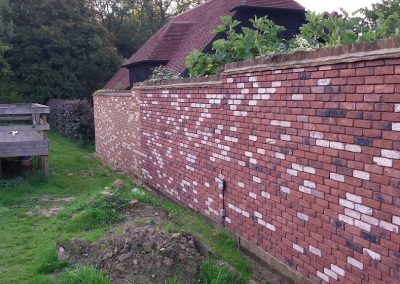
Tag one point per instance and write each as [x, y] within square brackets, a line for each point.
[211, 273]
[84, 275]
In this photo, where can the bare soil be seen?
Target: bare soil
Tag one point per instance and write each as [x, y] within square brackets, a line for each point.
[141, 253]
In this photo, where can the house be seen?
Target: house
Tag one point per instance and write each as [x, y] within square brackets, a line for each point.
[192, 30]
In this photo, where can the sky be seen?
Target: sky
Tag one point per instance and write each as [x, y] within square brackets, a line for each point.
[335, 5]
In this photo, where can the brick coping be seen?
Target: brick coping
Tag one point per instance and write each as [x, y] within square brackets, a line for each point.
[119, 93]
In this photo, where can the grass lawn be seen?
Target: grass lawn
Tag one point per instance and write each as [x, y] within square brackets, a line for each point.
[27, 243]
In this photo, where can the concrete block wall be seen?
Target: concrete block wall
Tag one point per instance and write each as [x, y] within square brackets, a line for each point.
[307, 146]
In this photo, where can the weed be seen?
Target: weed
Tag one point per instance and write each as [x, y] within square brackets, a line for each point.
[211, 273]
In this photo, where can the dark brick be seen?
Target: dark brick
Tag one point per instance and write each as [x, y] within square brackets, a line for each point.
[339, 162]
[290, 263]
[323, 112]
[307, 141]
[337, 113]
[354, 246]
[286, 151]
[305, 75]
[332, 90]
[369, 237]
[364, 141]
[339, 224]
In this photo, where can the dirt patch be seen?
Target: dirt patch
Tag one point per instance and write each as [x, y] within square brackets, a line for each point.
[49, 206]
[141, 254]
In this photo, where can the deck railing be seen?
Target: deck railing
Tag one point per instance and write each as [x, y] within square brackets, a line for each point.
[23, 132]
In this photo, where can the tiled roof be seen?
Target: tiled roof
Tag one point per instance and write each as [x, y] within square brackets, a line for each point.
[192, 30]
[120, 81]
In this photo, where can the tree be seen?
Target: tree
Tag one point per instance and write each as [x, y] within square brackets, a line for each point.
[60, 50]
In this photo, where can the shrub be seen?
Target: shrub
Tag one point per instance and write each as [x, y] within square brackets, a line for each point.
[73, 119]
[320, 30]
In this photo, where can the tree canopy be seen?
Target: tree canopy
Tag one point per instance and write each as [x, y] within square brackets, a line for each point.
[71, 48]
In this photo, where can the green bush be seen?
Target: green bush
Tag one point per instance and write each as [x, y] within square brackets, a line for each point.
[211, 273]
[382, 21]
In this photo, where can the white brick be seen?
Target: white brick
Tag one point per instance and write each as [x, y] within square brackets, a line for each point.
[280, 123]
[383, 162]
[396, 126]
[298, 248]
[271, 90]
[346, 219]
[253, 195]
[270, 227]
[245, 91]
[362, 225]
[330, 273]
[265, 97]
[252, 103]
[285, 189]
[324, 82]
[363, 209]
[337, 177]
[352, 213]
[253, 79]
[229, 80]
[297, 167]
[397, 108]
[370, 220]
[323, 276]
[302, 216]
[305, 189]
[371, 254]
[292, 172]
[314, 250]
[241, 184]
[355, 263]
[337, 270]
[389, 226]
[248, 154]
[256, 179]
[257, 214]
[285, 137]
[253, 138]
[316, 134]
[396, 220]
[245, 214]
[297, 97]
[390, 154]
[353, 197]
[361, 175]
[276, 84]
[260, 151]
[240, 85]
[322, 143]
[336, 145]
[309, 184]
[265, 195]
[262, 91]
[346, 203]
[353, 148]
[309, 170]
[280, 156]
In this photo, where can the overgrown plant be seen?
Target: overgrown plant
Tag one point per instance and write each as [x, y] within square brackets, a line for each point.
[163, 73]
[320, 30]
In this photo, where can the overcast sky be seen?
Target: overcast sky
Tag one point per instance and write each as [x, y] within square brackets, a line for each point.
[335, 5]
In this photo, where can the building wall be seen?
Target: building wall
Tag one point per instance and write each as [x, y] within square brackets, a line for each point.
[117, 127]
[307, 145]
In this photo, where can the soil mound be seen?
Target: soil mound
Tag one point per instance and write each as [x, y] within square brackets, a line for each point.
[141, 253]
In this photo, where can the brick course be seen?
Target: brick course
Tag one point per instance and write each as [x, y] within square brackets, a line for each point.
[310, 157]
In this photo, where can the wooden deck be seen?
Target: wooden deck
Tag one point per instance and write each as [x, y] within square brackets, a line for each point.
[24, 139]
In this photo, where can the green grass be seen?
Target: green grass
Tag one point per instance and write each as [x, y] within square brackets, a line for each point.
[27, 243]
[86, 275]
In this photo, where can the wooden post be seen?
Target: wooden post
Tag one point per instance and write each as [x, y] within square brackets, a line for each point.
[45, 165]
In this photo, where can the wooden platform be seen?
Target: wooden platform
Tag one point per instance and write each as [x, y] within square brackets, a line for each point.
[24, 139]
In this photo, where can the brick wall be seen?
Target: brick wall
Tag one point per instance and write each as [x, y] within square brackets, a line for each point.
[117, 127]
[308, 146]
